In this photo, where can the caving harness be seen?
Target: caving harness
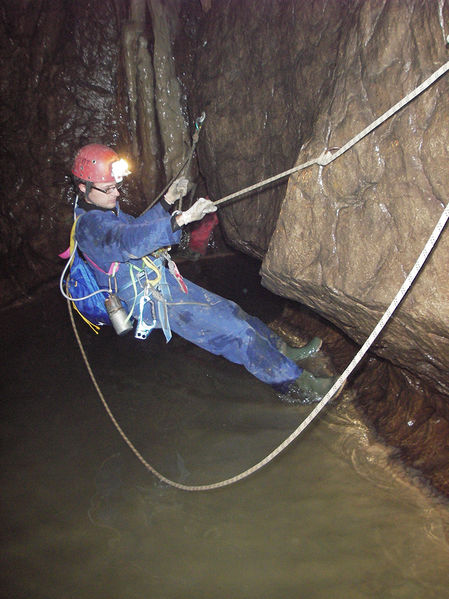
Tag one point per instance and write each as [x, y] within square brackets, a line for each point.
[99, 307]
[152, 292]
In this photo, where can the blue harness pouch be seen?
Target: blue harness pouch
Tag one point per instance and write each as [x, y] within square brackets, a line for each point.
[81, 282]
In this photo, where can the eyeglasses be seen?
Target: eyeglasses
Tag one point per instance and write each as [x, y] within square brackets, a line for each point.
[108, 190]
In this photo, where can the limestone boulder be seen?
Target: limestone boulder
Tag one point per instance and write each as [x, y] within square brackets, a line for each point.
[281, 82]
[349, 233]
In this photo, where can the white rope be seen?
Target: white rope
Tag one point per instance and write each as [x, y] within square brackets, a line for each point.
[324, 159]
[327, 157]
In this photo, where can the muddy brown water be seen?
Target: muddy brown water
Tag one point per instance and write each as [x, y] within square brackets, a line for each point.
[332, 516]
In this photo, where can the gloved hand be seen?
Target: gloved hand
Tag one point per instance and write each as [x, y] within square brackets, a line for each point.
[177, 190]
[196, 212]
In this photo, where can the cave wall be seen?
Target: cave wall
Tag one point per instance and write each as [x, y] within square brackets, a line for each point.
[260, 71]
[59, 78]
[280, 83]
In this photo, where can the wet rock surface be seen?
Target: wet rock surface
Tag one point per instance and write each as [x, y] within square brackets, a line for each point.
[349, 233]
[410, 417]
[279, 82]
[407, 414]
[260, 72]
[58, 76]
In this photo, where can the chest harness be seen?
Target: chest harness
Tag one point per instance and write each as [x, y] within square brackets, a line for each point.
[152, 291]
[149, 286]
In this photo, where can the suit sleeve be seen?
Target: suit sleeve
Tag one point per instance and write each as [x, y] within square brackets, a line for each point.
[106, 238]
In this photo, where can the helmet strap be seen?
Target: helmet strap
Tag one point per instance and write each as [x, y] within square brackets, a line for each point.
[88, 185]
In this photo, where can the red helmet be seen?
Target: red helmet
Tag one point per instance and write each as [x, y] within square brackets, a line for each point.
[95, 163]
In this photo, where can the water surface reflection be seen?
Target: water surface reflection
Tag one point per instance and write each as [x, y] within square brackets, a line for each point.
[330, 517]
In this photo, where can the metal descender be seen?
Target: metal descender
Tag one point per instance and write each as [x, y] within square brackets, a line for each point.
[143, 328]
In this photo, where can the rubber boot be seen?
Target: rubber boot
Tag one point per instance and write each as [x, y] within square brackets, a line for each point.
[313, 386]
[301, 353]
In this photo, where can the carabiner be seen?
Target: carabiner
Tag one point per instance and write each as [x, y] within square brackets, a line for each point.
[200, 120]
[143, 328]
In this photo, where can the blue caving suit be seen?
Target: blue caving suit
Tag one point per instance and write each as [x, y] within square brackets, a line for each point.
[216, 324]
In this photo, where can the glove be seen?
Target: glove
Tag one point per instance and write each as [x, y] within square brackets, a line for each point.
[196, 212]
[177, 190]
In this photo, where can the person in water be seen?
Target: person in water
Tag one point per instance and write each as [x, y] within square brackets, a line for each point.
[127, 255]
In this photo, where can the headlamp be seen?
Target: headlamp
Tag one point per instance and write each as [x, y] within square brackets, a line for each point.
[120, 169]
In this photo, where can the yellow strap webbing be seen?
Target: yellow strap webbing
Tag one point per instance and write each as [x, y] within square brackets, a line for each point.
[154, 268]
